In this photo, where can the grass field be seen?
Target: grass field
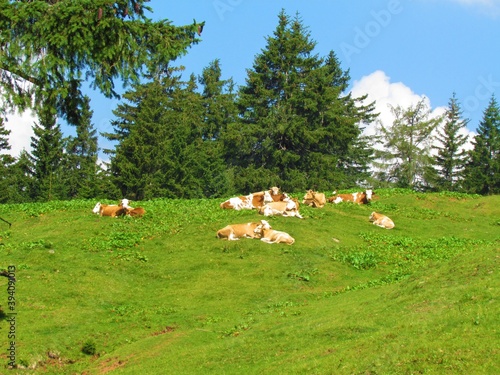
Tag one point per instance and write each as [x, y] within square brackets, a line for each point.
[162, 295]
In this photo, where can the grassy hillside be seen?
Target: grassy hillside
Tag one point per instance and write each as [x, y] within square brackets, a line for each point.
[161, 294]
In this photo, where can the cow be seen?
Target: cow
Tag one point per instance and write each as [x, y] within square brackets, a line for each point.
[277, 196]
[233, 232]
[381, 220]
[358, 197]
[314, 199]
[131, 211]
[112, 210]
[288, 208]
[269, 235]
[248, 202]
[136, 212]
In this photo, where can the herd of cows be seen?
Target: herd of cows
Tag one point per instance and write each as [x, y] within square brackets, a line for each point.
[273, 202]
[268, 203]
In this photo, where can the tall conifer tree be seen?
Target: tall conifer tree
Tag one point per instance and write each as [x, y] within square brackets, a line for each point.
[82, 168]
[482, 172]
[407, 145]
[46, 156]
[6, 161]
[161, 146]
[451, 155]
[298, 124]
[22, 179]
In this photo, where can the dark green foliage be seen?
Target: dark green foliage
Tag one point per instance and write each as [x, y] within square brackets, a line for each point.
[451, 157]
[81, 160]
[167, 140]
[295, 116]
[46, 158]
[6, 162]
[482, 172]
[58, 44]
[21, 177]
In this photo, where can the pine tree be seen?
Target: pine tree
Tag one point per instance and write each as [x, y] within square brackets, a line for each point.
[407, 144]
[52, 44]
[482, 172]
[6, 161]
[451, 155]
[298, 125]
[81, 158]
[21, 174]
[46, 157]
[218, 99]
[161, 147]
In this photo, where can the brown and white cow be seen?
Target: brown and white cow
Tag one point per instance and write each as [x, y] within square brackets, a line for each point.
[112, 210]
[248, 202]
[284, 208]
[381, 220]
[358, 197]
[270, 235]
[314, 199]
[131, 211]
[234, 232]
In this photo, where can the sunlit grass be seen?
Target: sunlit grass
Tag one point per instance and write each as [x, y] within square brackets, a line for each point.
[130, 296]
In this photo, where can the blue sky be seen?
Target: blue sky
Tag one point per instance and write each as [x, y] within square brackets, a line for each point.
[397, 51]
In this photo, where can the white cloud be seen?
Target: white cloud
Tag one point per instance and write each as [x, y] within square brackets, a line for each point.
[21, 127]
[385, 94]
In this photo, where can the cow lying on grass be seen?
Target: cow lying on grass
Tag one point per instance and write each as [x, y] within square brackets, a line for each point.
[112, 210]
[289, 208]
[314, 199]
[248, 202]
[134, 212]
[254, 200]
[381, 220]
[269, 235]
[358, 197]
[115, 210]
[233, 232]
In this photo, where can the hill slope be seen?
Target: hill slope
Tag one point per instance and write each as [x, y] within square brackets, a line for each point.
[162, 295]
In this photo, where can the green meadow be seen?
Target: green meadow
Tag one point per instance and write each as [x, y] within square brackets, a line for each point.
[162, 295]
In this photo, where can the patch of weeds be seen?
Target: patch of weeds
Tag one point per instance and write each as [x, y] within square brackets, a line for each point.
[237, 329]
[40, 244]
[302, 275]
[132, 255]
[361, 260]
[89, 347]
[457, 195]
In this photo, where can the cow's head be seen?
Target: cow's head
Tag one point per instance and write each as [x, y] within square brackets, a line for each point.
[369, 194]
[97, 208]
[259, 229]
[309, 196]
[274, 190]
[124, 203]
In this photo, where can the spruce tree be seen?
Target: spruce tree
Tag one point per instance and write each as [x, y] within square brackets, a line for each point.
[482, 172]
[21, 177]
[46, 157]
[6, 161]
[161, 147]
[51, 47]
[298, 126]
[81, 158]
[407, 144]
[219, 106]
[451, 155]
